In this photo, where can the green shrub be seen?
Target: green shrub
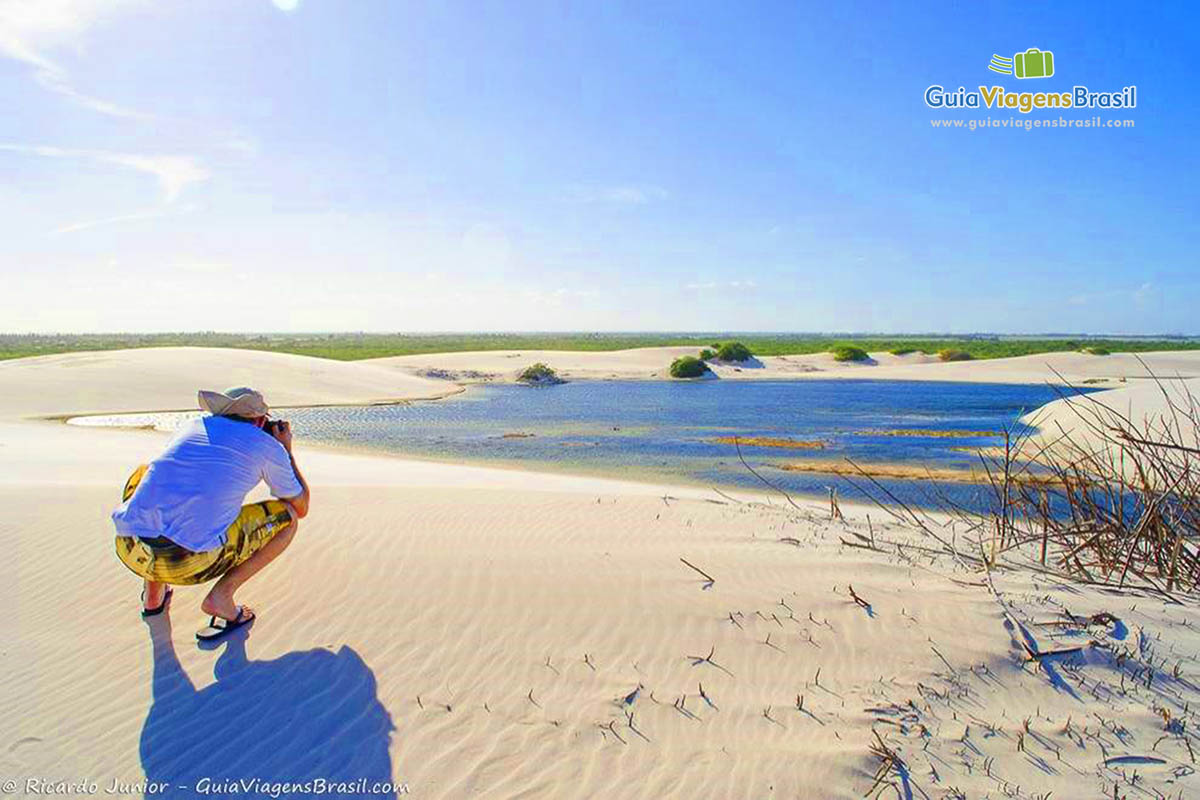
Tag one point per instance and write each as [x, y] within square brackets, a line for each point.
[688, 367]
[539, 373]
[707, 354]
[954, 355]
[1095, 351]
[849, 353]
[734, 351]
[903, 351]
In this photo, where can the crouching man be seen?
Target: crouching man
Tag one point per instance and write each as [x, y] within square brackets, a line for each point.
[182, 521]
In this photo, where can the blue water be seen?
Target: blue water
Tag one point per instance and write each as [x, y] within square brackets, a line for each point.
[667, 430]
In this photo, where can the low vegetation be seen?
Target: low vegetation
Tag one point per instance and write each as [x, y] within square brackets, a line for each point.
[1114, 501]
[868, 470]
[1095, 351]
[772, 441]
[849, 353]
[734, 351]
[707, 354]
[950, 354]
[903, 351]
[355, 346]
[931, 433]
[688, 367]
[539, 375]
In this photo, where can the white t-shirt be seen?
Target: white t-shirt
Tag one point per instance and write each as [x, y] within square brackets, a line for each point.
[194, 490]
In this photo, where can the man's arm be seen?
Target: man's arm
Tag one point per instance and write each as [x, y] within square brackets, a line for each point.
[283, 434]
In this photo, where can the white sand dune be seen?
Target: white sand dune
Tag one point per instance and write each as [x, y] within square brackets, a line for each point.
[639, 363]
[1053, 368]
[166, 379]
[1150, 407]
[471, 632]
[651, 363]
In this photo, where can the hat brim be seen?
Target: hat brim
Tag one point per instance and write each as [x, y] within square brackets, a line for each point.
[222, 405]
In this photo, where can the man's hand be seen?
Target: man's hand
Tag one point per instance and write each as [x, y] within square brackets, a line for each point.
[282, 431]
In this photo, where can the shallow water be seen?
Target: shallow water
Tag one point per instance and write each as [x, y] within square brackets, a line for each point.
[669, 431]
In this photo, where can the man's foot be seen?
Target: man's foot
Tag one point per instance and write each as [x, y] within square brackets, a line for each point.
[221, 606]
[218, 626]
[155, 597]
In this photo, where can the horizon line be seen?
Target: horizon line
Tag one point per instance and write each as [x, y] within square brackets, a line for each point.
[619, 333]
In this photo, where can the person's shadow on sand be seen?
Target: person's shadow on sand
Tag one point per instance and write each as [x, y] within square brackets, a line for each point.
[305, 717]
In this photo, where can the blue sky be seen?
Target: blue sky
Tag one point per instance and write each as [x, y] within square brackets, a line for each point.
[388, 166]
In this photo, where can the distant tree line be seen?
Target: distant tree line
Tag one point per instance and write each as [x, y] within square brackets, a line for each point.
[354, 346]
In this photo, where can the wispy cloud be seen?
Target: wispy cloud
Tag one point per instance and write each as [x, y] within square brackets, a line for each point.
[1141, 296]
[96, 223]
[556, 297]
[1145, 294]
[173, 173]
[633, 195]
[30, 28]
[711, 285]
[203, 267]
[56, 82]
[628, 195]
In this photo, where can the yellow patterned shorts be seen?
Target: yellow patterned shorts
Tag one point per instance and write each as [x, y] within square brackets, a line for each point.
[166, 562]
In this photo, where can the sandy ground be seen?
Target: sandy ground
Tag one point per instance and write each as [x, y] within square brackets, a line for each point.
[478, 632]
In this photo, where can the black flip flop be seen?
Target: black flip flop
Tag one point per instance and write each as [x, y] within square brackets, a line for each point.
[154, 612]
[219, 626]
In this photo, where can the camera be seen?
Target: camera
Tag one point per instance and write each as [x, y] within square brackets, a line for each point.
[273, 426]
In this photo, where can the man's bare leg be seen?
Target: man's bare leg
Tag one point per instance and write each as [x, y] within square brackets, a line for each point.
[153, 594]
[219, 601]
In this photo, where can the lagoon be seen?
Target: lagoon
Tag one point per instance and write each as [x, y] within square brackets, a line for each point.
[678, 431]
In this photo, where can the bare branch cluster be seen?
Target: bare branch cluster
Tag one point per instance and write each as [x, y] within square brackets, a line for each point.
[1111, 499]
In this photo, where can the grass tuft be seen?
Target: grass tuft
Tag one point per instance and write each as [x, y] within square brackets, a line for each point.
[734, 351]
[539, 373]
[688, 367]
[849, 353]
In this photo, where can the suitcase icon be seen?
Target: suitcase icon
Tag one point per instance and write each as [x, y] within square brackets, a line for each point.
[1034, 63]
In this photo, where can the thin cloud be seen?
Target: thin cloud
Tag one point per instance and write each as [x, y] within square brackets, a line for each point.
[28, 29]
[57, 82]
[96, 223]
[173, 173]
[711, 285]
[634, 195]
[630, 195]
[557, 296]
[204, 267]
[241, 144]
[1144, 294]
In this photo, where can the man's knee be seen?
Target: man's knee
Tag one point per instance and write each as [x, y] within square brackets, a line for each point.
[285, 535]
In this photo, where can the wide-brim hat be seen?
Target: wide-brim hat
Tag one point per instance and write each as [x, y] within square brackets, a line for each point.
[240, 401]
